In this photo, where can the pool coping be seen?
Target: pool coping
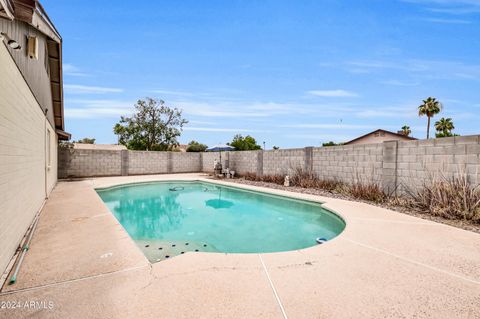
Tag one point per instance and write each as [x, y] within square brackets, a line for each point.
[383, 264]
[266, 191]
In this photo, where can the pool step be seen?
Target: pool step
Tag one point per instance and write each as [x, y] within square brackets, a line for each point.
[161, 250]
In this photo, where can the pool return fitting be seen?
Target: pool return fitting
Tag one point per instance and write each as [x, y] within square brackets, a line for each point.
[176, 188]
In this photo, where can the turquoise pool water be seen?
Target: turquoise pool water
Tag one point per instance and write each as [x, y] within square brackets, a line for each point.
[166, 219]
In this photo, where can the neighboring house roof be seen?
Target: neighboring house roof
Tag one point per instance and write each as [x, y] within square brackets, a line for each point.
[402, 136]
[109, 147]
[32, 13]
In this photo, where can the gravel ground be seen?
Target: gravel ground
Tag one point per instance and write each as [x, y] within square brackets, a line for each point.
[405, 210]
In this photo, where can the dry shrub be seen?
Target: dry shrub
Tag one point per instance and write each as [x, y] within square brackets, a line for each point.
[308, 179]
[369, 191]
[249, 176]
[451, 198]
[277, 179]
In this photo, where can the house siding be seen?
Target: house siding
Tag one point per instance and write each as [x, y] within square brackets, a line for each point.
[33, 70]
[25, 179]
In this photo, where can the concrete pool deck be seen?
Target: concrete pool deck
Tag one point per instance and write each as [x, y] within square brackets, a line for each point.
[82, 264]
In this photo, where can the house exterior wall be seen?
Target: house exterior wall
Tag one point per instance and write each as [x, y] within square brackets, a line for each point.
[25, 179]
[378, 137]
[33, 70]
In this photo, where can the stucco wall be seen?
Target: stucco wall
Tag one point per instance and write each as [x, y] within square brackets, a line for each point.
[25, 180]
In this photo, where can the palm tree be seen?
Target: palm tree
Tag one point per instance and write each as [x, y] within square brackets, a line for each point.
[444, 127]
[406, 130]
[430, 107]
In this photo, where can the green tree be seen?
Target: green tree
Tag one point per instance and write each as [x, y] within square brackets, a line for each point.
[331, 143]
[406, 130]
[444, 127]
[153, 126]
[430, 107]
[86, 140]
[195, 146]
[246, 143]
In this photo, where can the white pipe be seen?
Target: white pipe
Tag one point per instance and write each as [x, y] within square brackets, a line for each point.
[25, 247]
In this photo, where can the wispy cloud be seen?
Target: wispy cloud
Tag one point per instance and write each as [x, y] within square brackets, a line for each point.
[419, 69]
[172, 92]
[447, 21]
[408, 110]
[456, 7]
[88, 109]
[332, 93]
[329, 126]
[233, 110]
[220, 129]
[321, 137]
[72, 70]
[400, 83]
[84, 89]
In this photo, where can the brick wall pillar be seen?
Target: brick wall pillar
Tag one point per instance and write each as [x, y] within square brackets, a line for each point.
[169, 163]
[308, 166]
[389, 167]
[259, 163]
[124, 162]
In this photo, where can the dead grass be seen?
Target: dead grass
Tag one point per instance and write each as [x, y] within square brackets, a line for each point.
[276, 179]
[453, 198]
[360, 189]
[306, 179]
[449, 197]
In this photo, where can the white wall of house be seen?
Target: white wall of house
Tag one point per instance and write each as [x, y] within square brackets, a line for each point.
[28, 166]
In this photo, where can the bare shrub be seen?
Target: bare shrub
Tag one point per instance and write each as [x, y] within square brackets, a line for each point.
[276, 179]
[308, 179]
[366, 189]
[449, 197]
[249, 176]
[369, 191]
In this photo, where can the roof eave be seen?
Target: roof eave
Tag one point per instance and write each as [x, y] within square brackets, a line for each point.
[6, 9]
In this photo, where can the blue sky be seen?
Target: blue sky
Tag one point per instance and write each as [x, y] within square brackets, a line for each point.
[290, 73]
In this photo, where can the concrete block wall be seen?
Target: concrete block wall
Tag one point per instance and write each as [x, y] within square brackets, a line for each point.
[349, 162]
[283, 162]
[397, 166]
[143, 162]
[88, 163]
[243, 162]
[188, 162]
[420, 160]
[207, 161]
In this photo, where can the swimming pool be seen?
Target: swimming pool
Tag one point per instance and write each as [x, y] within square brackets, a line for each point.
[167, 219]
